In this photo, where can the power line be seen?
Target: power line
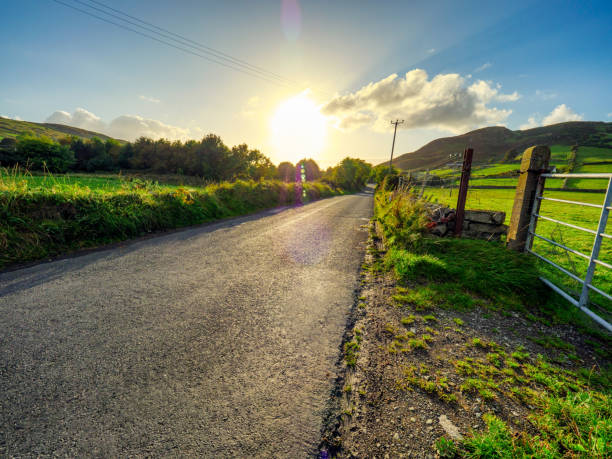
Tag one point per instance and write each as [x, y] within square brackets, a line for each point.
[230, 65]
[194, 43]
[167, 34]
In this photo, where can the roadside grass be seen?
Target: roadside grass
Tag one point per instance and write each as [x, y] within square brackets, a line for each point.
[587, 217]
[45, 216]
[569, 407]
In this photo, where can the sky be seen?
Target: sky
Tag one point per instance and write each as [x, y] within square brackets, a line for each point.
[336, 72]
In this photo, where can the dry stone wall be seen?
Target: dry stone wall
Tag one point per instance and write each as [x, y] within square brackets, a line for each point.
[478, 224]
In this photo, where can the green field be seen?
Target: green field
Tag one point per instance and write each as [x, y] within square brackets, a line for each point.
[489, 175]
[494, 170]
[587, 217]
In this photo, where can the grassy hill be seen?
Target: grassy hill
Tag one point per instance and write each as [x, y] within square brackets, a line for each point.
[14, 128]
[491, 144]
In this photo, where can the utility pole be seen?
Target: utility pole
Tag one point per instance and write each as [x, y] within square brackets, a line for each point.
[395, 123]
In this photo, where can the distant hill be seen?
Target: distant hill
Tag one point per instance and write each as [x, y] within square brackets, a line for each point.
[14, 128]
[491, 144]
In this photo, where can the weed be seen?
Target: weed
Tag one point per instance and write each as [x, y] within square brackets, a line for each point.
[477, 342]
[351, 352]
[495, 359]
[417, 344]
[446, 448]
[427, 338]
[555, 342]
[408, 320]
[458, 321]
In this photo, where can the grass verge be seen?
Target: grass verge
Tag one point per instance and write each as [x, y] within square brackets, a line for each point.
[464, 353]
[43, 218]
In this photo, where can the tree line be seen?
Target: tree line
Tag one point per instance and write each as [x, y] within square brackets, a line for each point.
[208, 158]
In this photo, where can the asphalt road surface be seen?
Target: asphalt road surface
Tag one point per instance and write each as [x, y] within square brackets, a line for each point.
[216, 341]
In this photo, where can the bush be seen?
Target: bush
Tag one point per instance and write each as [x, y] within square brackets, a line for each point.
[41, 153]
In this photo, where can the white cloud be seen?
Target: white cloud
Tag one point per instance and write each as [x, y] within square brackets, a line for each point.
[545, 95]
[81, 118]
[149, 99]
[133, 126]
[484, 66]
[610, 115]
[127, 127]
[488, 93]
[87, 120]
[431, 50]
[530, 124]
[560, 114]
[444, 101]
[59, 117]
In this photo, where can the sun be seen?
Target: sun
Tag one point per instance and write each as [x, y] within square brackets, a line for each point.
[298, 129]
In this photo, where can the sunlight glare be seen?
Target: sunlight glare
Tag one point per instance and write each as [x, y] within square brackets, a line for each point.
[298, 129]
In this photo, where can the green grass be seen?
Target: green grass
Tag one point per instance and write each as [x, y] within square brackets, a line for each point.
[42, 216]
[593, 154]
[559, 154]
[570, 411]
[483, 171]
[587, 217]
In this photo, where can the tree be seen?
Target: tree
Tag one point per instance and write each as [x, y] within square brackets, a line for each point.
[8, 151]
[285, 172]
[212, 157]
[42, 152]
[351, 174]
[312, 169]
[379, 173]
[260, 166]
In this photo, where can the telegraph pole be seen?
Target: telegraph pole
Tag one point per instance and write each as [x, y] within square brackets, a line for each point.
[395, 123]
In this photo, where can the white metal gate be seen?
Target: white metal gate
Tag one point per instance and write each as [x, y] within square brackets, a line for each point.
[593, 259]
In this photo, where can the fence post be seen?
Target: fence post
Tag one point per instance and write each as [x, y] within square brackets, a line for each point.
[463, 189]
[533, 164]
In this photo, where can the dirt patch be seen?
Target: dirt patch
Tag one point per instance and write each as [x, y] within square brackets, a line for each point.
[413, 376]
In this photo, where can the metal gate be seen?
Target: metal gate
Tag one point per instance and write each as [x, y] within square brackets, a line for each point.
[593, 259]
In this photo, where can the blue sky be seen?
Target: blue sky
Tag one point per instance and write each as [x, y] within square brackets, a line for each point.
[539, 62]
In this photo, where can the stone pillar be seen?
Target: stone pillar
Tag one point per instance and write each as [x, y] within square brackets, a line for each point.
[534, 163]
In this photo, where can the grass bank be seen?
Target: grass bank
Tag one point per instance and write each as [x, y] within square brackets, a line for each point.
[460, 351]
[46, 216]
[586, 217]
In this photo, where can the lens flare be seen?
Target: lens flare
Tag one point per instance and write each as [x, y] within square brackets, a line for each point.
[291, 19]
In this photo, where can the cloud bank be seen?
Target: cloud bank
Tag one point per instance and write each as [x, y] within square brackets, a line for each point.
[126, 127]
[444, 101]
[560, 114]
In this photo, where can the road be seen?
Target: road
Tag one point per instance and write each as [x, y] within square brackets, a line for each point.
[216, 341]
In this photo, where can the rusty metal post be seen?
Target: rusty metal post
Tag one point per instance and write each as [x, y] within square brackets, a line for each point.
[533, 164]
[463, 189]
